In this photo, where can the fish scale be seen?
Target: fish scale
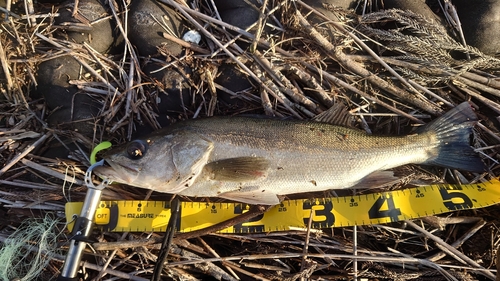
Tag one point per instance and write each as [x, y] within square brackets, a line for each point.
[256, 160]
[293, 166]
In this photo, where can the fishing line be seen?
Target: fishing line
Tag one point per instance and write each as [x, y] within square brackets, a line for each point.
[26, 252]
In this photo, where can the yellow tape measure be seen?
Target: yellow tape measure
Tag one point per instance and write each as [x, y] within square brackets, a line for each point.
[376, 208]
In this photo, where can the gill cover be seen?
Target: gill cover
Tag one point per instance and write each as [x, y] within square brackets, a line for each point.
[190, 153]
[165, 163]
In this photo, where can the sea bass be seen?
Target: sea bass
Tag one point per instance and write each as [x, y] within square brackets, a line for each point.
[254, 160]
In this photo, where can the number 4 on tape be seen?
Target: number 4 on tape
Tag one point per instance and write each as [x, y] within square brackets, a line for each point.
[384, 208]
[374, 208]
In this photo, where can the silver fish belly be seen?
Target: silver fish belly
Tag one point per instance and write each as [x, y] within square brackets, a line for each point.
[256, 160]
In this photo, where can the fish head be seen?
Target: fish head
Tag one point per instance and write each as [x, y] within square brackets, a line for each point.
[162, 162]
[145, 162]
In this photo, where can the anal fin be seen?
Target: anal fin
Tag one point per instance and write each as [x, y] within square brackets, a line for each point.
[255, 197]
[377, 179]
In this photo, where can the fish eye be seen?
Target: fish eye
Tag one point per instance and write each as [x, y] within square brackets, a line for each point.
[136, 149]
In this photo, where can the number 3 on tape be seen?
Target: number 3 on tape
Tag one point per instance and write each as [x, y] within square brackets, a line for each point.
[384, 207]
[322, 216]
[389, 206]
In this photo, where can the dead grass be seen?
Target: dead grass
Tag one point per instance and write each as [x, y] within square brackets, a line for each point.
[393, 69]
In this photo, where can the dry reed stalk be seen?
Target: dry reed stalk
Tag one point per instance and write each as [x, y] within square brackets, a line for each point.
[295, 74]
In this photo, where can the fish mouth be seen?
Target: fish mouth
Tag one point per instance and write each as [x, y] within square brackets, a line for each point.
[116, 172]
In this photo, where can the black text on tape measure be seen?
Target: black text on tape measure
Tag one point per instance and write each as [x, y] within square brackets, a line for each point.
[364, 209]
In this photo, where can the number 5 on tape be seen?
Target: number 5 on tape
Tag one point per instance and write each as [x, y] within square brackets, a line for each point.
[372, 208]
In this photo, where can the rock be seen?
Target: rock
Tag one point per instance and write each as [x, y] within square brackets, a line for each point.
[76, 117]
[480, 24]
[147, 34]
[325, 29]
[69, 104]
[416, 6]
[49, 1]
[169, 91]
[344, 4]
[99, 35]
[3, 79]
[175, 89]
[240, 13]
[71, 108]
[53, 80]
[232, 79]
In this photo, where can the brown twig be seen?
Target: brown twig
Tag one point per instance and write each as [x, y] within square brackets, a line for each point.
[451, 250]
[24, 153]
[253, 212]
[353, 66]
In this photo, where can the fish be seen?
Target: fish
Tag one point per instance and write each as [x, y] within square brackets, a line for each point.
[259, 160]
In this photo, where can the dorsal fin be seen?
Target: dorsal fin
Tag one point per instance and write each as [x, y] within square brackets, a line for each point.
[336, 115]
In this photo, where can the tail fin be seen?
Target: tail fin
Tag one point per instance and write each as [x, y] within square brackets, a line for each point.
[453, 130]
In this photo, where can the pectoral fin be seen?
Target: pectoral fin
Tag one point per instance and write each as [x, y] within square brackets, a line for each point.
[255, 197]
[239, 169]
